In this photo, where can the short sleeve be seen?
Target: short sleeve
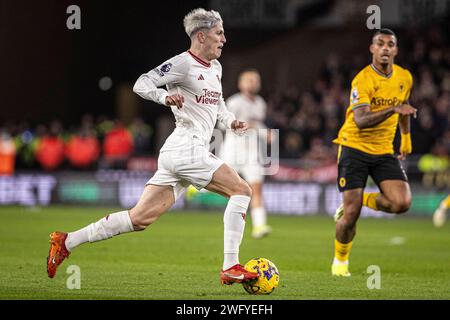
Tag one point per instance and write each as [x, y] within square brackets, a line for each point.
[410, 85]
[360, 92]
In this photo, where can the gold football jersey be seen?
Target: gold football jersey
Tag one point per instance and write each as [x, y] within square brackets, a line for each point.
[372, 88]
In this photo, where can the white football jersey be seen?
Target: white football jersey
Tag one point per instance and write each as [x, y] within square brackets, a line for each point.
[254, 113]
[199, 83]
[248, 110]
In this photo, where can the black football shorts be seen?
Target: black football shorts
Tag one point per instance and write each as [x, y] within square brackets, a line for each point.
[355, 166]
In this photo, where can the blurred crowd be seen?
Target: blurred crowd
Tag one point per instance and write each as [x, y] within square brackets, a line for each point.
[95, 143]
[308, 121]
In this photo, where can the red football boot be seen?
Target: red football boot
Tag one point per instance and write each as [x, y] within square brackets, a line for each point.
[57, 253]
[237, 274]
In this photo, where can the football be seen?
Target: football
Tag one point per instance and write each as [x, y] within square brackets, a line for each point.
[268, 279]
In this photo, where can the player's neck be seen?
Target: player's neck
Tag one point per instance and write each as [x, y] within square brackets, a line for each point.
[249, 95]
[386, 69]
[199, 54]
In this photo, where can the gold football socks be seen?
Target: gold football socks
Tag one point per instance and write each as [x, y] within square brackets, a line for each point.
[340, 264]
[342, 250]
[370, 200]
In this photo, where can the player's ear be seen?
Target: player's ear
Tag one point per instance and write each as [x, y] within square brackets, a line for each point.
[395, 51]
[371, 49]
[201, 36]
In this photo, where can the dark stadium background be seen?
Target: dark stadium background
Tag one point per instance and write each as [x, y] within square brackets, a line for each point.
[307, 53]
[60, 68]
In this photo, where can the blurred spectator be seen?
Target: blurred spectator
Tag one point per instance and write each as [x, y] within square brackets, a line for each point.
[7, 153]
[141, 133]
[50, 148]
[292, 146]
[103, 126]
[87, 122]
[422, 133]
[118, 146]
[435, 161]
[445, 84]
[319, 153]
[332, 69]
[26, 141]
[445, 140]
[426, 87]
[83, 149]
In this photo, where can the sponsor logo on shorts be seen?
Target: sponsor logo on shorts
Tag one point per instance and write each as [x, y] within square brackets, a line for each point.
[342, 182]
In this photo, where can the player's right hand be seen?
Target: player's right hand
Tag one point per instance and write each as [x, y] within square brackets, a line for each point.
[175, 100]
[406, 110]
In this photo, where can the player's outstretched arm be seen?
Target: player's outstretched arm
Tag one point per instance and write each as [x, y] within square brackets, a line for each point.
[364, 118]
[170, 72]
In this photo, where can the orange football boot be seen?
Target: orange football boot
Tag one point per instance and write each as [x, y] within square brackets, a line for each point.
[237, 274]
[57, 253]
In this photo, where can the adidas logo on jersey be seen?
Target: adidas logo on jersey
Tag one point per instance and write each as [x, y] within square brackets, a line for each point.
[200, 77]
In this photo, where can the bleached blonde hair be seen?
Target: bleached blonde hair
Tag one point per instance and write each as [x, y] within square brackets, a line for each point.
[199, 19]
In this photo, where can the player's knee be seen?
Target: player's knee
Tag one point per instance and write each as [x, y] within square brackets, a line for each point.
[348, 221]
[141, 220]
[243, 189]
[142, 223]
[351, 215]
[401, 205]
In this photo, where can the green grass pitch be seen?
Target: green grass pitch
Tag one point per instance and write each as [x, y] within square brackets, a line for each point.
[180, 256]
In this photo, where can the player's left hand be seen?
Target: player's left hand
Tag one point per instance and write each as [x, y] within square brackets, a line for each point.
[239, 127]
[405, 146]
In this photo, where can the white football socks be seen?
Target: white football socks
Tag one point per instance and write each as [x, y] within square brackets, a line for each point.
[107, 227]
[258, 217]
[234, 224]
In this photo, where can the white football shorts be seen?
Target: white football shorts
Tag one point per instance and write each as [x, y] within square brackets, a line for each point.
[193, 164]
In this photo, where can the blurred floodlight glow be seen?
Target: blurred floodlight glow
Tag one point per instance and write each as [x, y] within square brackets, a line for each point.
[105, 83]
